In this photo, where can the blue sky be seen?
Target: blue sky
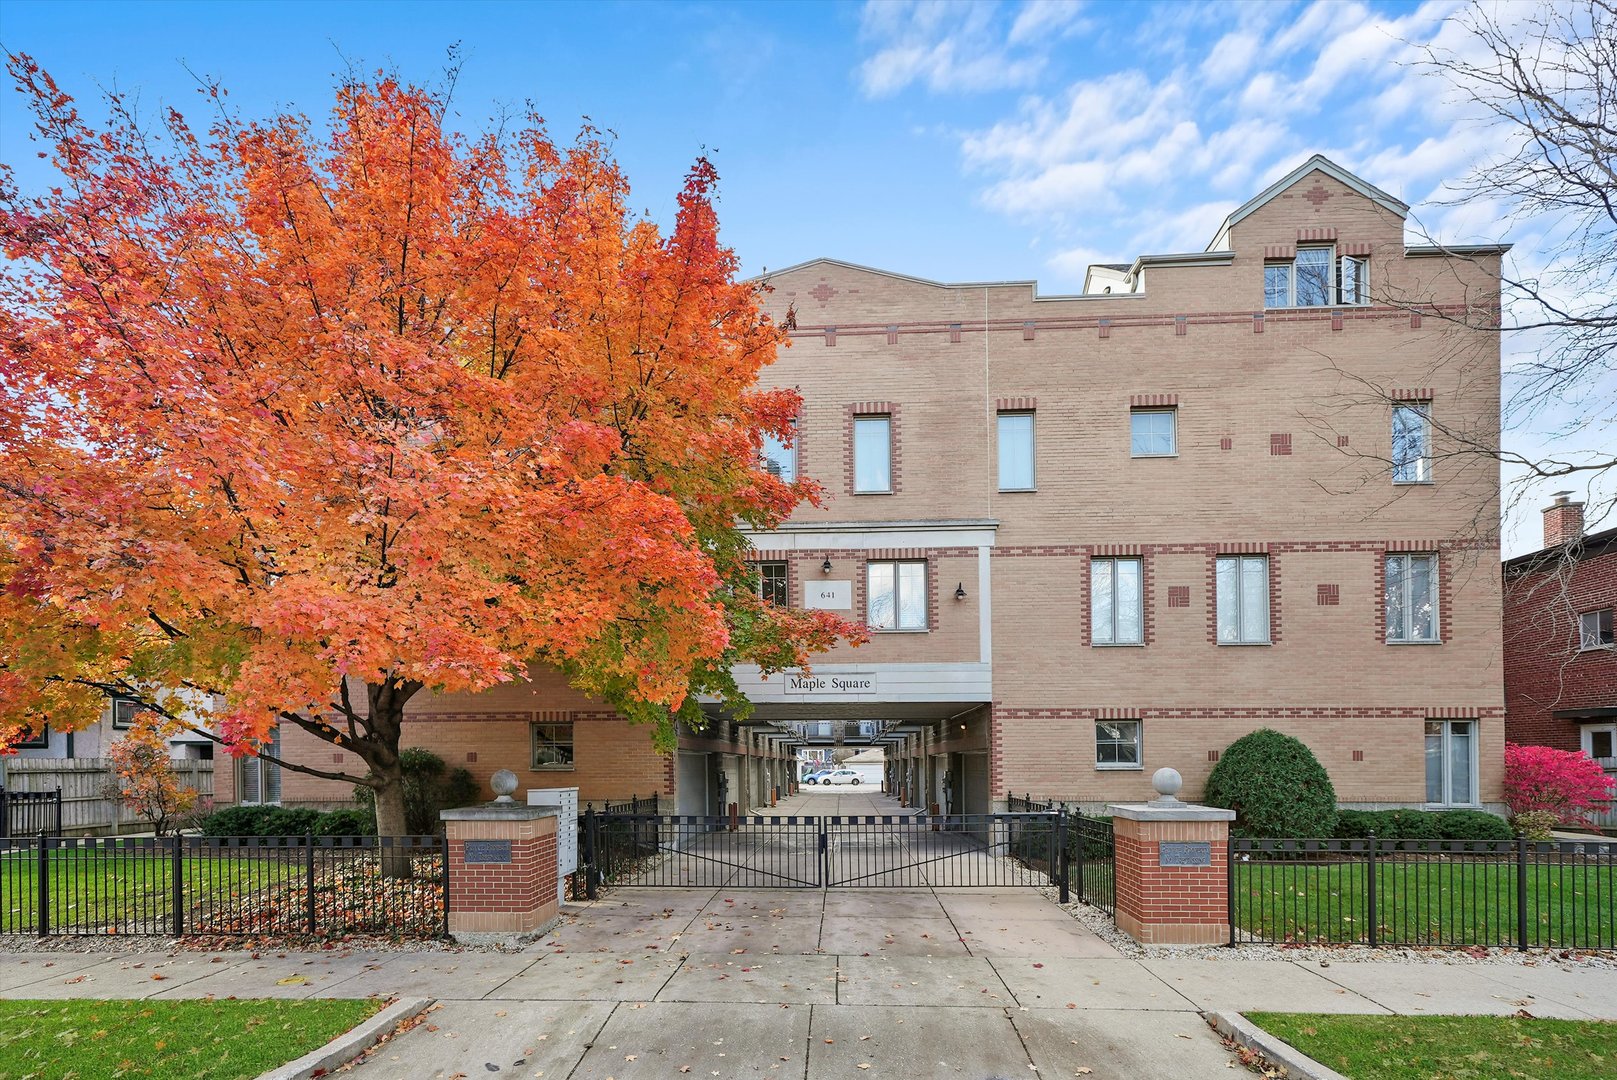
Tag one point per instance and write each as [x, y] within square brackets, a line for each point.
[953, 141]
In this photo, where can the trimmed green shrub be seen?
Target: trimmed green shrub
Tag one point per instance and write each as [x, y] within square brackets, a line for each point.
[430, 785]
[1358, 824]
[1275, 785]
[1472, 825]
[1414, 825]
[1421, 825]
[345, 823]
[235, 821]
[289, 821]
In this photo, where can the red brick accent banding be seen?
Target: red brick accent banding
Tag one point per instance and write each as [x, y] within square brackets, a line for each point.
[1153, 401]
[1317, 234]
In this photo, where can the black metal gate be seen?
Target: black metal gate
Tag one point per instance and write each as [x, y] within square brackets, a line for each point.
[860, 851]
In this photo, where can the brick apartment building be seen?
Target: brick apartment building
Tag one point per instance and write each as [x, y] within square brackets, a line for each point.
[1560, 664]
[1099, 534]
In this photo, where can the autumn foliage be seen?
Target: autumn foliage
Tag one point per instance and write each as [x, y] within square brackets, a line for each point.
[310, 417]
[144, 781]
[1567, 784]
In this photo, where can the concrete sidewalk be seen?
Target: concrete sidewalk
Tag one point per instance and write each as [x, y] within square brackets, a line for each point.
[804, 983]
[811, 983]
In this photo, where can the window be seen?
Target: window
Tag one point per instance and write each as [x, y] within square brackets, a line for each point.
[1115, 602]
[772, 583]
[1316, 278]
[1117, 744]
[1451, 762]
[872, 454]
[1353, 284]
[552, 745]
[779, 459]
[1411, 598]
[1411, 444]
[259, 781]
[897, 596]
[123, 713]
[1152, 433]
[34, 738]
[1016, 451]
[1277, 285]
[1242, 585]
[1312, 277]
[1600, 743]
[1594, 629]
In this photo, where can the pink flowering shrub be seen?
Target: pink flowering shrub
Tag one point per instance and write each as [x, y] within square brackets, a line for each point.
[1569, 784]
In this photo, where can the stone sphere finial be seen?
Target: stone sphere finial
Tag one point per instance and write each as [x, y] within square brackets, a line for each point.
[1167, 783]
[504, 782]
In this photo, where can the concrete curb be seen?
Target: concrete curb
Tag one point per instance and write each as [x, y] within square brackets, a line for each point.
[1298, 1065]
[350, 1044]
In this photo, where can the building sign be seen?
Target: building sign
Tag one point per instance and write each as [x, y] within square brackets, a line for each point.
[828, 595]
[488, 851]
[823, 684]
[1185, 854]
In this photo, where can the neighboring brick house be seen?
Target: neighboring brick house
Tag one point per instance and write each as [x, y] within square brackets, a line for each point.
[1560, 663]
[1104, 533]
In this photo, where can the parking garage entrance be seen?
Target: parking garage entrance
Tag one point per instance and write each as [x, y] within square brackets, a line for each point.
[843, 850]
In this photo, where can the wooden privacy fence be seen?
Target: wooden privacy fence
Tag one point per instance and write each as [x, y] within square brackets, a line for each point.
[86, 808]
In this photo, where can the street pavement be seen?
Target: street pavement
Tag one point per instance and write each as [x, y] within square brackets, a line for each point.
[732, 982]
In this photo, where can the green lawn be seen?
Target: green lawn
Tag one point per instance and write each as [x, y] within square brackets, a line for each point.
[1450, 1047]
[182, 1040]
[1434, 902]
[129, 889]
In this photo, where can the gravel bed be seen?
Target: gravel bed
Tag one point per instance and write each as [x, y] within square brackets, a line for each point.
[1103, 926]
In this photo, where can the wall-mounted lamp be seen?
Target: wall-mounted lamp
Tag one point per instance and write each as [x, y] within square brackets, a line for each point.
[960, 591]
[825, 567]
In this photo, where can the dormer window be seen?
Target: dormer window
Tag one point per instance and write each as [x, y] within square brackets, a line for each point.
[1315, 277]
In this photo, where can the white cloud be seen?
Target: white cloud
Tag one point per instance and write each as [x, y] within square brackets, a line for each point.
[960, 47]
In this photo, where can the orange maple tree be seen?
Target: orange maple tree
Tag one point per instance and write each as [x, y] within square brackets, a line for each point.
[306, 419]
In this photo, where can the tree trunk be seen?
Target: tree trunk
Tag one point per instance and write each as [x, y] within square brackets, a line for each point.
[386, 722]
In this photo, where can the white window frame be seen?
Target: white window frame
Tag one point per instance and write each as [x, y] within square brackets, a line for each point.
[1032, 448]
[1402, 635]
[1137, 764]
[1361, 264]
[1422, 465]
[1334, 296]
[1448, 773]
[1240, 601]
[1590, 641]
[886, 420]
[1173, 432]
[1587, 738]
[534, 764]
[785, 578]
[263, 770]
[898, 605]
[782, 465]
[1110, 563]
[134, 709]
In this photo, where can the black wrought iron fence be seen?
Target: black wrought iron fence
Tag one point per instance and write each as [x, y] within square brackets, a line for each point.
[284, 885]
[1500, 894]
[860, 851]
[1090, 850]
[29, 813]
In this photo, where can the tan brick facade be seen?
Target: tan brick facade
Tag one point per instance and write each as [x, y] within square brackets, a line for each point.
[1283, 437]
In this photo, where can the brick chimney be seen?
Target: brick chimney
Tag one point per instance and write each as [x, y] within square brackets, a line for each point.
[1563, 520]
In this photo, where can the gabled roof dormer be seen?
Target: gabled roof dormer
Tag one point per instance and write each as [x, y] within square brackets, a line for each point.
[1318, 163]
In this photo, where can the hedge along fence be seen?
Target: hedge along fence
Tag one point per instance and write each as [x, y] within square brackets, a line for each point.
[286, 886]
[1495, 893]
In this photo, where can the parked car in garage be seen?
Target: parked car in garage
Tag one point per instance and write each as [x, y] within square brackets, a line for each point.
[840, 776]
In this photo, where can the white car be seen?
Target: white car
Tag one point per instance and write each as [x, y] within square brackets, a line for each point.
[840, 776]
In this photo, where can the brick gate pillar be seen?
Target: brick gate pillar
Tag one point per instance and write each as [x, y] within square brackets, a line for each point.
[502, 868]
[1172, 866]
